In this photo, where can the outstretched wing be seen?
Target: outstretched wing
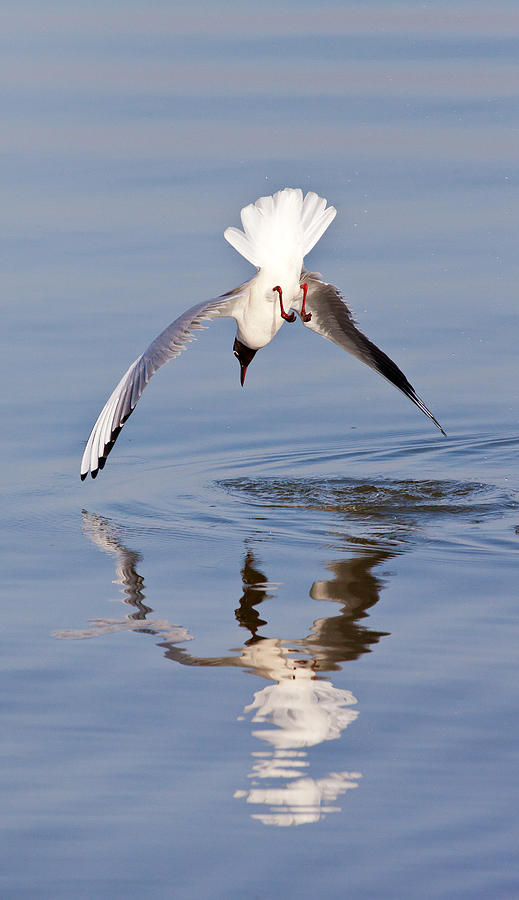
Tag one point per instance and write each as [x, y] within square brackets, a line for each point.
[170, 343]
[332, 319]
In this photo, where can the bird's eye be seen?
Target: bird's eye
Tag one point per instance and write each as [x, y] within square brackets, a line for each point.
[236, 354]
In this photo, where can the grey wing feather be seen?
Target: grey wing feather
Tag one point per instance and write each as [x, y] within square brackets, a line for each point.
[332, 319]
[169, 344]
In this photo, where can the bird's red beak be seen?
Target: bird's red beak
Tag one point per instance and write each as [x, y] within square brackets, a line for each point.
[243, 372]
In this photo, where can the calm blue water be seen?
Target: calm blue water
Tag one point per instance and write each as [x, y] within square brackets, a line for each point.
[272, 649]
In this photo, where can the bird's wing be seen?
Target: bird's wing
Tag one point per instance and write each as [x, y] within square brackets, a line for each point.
[170, 343]
[332, 319]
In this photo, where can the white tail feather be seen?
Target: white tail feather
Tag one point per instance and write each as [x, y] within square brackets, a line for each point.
[280, 226]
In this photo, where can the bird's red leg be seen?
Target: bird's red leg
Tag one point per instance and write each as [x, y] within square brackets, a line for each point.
[289, 317]
[304, 315]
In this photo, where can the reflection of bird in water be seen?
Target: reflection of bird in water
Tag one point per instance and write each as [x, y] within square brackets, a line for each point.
[300, 708]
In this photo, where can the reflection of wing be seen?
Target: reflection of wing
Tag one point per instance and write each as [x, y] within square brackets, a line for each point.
[120, 405]
[334, 639]
[331, 318]
[103, 534]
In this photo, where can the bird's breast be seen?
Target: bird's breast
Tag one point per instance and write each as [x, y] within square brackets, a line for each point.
[258, 323]
[259, 319]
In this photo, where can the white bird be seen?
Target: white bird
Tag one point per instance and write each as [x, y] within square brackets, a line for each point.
[278, 232]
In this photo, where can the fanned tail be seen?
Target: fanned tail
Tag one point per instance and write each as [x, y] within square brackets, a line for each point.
[280, 226]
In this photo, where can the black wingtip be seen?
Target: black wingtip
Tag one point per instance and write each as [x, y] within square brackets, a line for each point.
[421, 405]
[389, 369]
[101, 462]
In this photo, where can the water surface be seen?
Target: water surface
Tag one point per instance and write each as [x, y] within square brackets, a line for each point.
[273, 647]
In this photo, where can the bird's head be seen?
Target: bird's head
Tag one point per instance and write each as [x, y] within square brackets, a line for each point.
[244, 355]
